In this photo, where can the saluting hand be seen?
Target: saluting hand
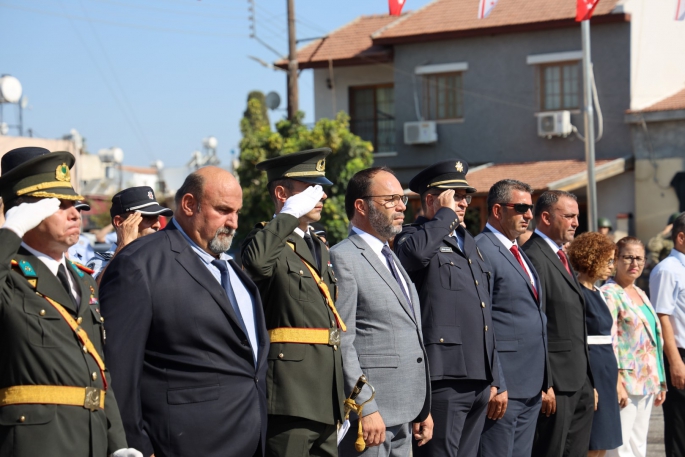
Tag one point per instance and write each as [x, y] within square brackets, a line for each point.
[27, 216]
[549, 402]
[498, 404]
[127, 231]
[446, 199]
[300, 204]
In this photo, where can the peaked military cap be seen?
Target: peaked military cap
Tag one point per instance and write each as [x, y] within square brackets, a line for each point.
[449, 174]
[306, 166]
[140, 199]
[82, 206]
[37, 172]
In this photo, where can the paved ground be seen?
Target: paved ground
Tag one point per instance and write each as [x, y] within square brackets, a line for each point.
[655, 439]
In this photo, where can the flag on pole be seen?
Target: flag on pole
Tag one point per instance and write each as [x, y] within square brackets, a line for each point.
[395, 7]
[680, 10]
[486, 6]
[584, 9]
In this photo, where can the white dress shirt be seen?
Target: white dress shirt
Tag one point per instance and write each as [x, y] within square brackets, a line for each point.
[376, 246]
[53, 265]
[667, 292]
[555, 247]
[508, 244]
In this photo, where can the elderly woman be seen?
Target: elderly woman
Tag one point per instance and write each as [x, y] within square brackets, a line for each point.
[638, 345]
[592, 256]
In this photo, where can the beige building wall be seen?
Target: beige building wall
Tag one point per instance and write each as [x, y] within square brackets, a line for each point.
[7, 143]
[655, 199]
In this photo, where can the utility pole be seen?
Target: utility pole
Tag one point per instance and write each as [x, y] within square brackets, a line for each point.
[589, 128]
[293, 97]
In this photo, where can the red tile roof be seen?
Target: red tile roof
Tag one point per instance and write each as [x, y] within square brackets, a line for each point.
[449, 16]
[539, 175]
[350, 44]
[674, 102]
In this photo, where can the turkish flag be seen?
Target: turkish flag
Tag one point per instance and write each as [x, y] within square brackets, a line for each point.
[584, 9]
[395, 7]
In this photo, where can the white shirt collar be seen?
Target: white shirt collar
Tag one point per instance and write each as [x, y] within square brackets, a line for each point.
[374, 243]
[555, 247]
[49, 262]
[503, 239]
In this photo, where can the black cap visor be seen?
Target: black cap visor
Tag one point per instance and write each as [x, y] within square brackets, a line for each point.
[321, 180]
[149, 209]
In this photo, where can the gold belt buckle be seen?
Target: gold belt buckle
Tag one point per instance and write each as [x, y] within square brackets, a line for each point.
[334, 337]
[92, 400]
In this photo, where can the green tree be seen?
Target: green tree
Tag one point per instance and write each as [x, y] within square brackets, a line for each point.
[350, 155]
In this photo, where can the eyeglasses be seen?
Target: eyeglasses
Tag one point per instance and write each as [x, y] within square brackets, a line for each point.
[610, 263]
[628, 259]
[520, 208]
[391, 201]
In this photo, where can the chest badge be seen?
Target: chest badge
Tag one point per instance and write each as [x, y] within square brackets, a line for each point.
[446, 249]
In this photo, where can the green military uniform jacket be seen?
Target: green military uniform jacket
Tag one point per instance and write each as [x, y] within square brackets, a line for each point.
[38, 347]
[303, 380]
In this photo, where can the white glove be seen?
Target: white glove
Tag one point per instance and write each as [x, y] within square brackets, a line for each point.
[27, 216]
[127, 453]
[302, 203]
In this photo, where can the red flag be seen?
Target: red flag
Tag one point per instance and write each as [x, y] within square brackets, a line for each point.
[584, 9]
[395, 7]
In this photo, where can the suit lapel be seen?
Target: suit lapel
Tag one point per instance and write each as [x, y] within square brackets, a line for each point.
[452, 242]
[302, 250]
[554, 259]
[534, 272]
[507, 254]
[84, 290]
[258, 311]
[383, 272]
[47, 284]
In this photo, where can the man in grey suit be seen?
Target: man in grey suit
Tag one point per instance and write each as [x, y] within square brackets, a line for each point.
[520, 324]
[380, 306]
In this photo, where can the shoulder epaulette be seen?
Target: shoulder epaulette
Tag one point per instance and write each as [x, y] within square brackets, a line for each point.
[83, 267]
[261, 224]
[25, 267]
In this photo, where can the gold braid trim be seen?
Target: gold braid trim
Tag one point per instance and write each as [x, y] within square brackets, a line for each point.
[60, 196]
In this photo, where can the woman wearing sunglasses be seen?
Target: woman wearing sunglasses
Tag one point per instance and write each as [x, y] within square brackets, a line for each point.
[638, 344]
[592, 256]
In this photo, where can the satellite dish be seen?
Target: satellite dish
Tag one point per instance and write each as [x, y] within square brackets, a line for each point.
[158, 164]
[10, 89]
[111, 155]
[273, 100]
[210, 142]
[4, 128]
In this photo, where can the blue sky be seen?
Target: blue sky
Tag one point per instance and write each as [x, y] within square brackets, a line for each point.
[154, 77]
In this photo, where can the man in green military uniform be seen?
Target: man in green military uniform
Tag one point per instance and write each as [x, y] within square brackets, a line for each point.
[55, 398]
[291, 267]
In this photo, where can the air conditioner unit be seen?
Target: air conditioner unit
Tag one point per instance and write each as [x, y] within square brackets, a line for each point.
[420, 132]
[554, 123]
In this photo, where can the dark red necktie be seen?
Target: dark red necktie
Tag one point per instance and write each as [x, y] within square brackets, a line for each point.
[564, 260]
[515, 250]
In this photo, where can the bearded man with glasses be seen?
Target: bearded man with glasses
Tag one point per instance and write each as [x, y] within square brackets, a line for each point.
[453, 280]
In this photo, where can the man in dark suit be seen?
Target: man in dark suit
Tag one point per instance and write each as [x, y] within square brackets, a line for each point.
[186, 333]
[565, 422]
[520, 325]
[292, 269]
[55, 391]
[452, 279]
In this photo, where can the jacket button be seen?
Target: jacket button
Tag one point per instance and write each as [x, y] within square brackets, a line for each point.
[442, 340]
[301, 272]
[280, 356]
[469, 261]
[79, 320]
[42, 312]
[486, 328]
[451, 263]
[102, 319]
[94, 376]
[476, 282]
[419, 360]
[256, 379]
[22, 419]
[85, 349]
[482, 304]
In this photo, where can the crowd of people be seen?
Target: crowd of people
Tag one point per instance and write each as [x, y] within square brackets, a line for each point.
[403, 339]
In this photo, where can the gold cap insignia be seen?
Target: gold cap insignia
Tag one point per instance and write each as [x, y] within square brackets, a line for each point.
[62, 173]
[459, 167]
[321, 165]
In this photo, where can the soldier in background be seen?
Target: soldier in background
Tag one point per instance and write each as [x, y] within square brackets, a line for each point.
[292, 269]
[55, 395]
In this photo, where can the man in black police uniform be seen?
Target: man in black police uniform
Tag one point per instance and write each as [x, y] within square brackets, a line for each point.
[55, 397]
[452, 278]
[291, 267]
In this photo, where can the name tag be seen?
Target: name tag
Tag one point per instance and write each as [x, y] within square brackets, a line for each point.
[446, 249]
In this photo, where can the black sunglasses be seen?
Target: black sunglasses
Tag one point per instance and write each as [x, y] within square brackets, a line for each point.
[520, 208]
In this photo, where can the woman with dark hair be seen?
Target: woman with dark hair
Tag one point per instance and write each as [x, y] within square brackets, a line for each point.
[592, 255]
[638, 344]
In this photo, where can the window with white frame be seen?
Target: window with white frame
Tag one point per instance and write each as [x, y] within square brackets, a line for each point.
[558, 79]
[442, 89]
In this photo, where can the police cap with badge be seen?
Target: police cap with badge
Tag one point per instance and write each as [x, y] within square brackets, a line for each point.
[448, 174]
[37, 172]
[138, 199]
[307, 166]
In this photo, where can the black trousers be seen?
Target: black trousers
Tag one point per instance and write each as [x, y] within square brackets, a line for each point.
[567, 432]
[458, 409]
[674, 416]
[289, 436]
